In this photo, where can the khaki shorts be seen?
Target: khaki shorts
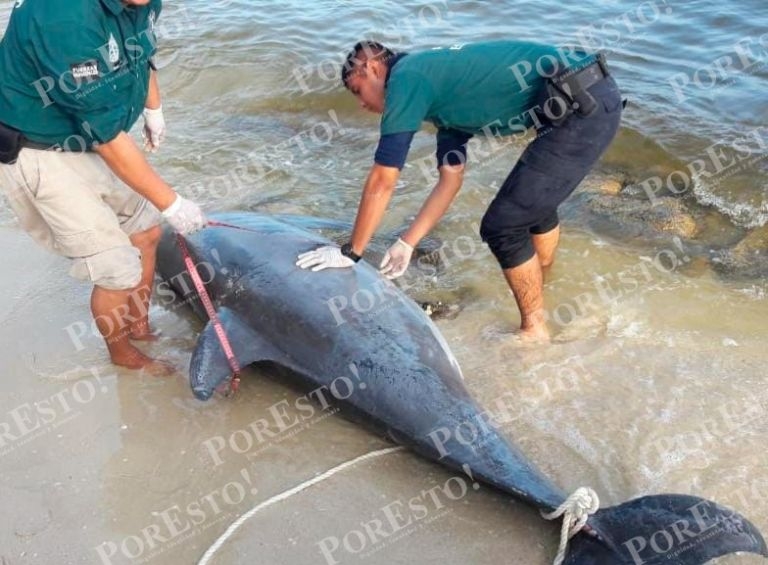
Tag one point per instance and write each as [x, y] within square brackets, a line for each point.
[72, 204]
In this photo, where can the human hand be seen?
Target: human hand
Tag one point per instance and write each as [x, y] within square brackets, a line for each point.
[184, 216]
[153, 133]
[396, 259]
[328, 257]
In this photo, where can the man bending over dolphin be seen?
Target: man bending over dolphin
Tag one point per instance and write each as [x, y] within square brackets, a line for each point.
[494, 88]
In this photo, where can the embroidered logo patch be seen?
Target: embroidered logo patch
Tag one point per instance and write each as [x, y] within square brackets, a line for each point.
[89, 69]
[114, 50]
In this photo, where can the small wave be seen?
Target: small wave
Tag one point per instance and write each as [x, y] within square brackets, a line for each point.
[754, 292]
[742, 214]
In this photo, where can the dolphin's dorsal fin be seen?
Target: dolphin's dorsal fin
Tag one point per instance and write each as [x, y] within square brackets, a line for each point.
[209, 367]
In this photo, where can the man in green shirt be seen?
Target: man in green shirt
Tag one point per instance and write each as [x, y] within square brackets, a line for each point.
[494, 88]
[74, 78]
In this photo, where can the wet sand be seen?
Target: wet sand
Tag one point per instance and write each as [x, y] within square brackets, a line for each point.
[108, 466]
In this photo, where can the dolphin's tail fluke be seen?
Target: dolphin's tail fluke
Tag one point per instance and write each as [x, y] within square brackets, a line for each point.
[664, 529]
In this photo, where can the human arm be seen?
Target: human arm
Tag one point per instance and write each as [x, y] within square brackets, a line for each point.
[398, 256]
[126, 160]
[378, 190]
[436, 204]
[377, 193]
[154, 100]
[451, 157]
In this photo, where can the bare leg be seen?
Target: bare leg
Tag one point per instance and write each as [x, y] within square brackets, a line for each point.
[110, 310]
[146, 242]
[527, 286]
[545, 245]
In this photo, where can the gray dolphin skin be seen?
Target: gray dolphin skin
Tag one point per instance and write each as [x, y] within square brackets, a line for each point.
[356, 340]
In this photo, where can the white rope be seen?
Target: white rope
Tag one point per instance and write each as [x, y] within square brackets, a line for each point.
[576, 510]
[205, 559]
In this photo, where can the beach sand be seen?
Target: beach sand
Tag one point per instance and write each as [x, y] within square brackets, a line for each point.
[102, 465]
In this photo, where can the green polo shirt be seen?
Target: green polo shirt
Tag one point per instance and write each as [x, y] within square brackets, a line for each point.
[77, 72]
[473, 88]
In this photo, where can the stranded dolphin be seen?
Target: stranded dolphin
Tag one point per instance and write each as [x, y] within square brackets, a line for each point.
[353, 333]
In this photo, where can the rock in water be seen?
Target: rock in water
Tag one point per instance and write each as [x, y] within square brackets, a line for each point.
[748, 258]
[636, 217]
[440, 310]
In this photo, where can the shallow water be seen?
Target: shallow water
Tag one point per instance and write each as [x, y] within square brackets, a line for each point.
[654, 382]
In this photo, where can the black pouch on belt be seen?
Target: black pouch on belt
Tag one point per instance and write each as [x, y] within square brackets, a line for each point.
[11, 142]
[567, 93]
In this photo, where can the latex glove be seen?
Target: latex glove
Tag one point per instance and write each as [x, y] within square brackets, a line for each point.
[185, 216]
[396, 259]
[328, 257]
[153, 133]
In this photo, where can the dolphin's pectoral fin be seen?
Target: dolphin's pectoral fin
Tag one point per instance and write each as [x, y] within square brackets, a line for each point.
[209, 367]
[663, 529]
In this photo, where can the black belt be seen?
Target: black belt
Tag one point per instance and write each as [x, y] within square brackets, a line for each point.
[584, 77]
[29, 144]
[567, 92]
[12, 141]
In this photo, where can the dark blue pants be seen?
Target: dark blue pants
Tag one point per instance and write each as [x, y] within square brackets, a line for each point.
[548, 171]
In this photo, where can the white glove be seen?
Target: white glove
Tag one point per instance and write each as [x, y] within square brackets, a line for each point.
[153, 133]
[328, 257]
[396, 259]
[185, 216]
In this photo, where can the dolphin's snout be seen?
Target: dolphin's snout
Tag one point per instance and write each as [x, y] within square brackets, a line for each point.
[205, 381]
[202, 392]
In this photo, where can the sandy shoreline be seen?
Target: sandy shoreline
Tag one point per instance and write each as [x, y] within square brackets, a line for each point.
[101, 461]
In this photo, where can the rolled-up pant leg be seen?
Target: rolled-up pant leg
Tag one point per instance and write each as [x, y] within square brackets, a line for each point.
[548, 171]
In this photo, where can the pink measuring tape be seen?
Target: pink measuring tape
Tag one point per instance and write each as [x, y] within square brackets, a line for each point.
[234, 382]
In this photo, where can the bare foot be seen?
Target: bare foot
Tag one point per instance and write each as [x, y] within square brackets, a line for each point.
[534, 334]
[144, 333]
[526, 340]
[145, 336]
[132, 358]
[159, 368]
[527, 337]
